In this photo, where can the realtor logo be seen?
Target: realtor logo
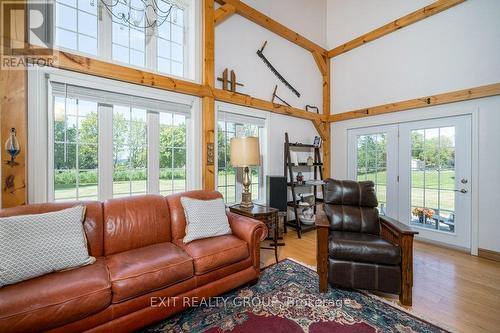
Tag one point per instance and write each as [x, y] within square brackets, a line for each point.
[27, 32]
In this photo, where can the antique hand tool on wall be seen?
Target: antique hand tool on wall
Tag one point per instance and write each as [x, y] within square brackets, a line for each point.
[274, 70]
[231, 82]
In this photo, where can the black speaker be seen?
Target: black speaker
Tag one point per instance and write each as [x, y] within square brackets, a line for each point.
[276, 192]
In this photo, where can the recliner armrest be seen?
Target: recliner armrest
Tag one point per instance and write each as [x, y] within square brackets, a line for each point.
[402, 235]
[251, 231]
[396, 226]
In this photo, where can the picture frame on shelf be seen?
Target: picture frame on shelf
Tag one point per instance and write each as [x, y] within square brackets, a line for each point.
[317, 142]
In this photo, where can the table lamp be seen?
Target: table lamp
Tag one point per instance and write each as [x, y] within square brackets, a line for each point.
[245, 152]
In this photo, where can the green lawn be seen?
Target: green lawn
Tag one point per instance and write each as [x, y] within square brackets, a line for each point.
[443, 199]
[121, 188]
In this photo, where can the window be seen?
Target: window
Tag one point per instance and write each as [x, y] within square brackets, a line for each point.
[229, 179]
[130, 150]
[75, 149]
[76, 25]
[170, 51]
[172, 153]
[87, 123]
[129, 43]
[89, 27]
[433, 178]
[372, 162]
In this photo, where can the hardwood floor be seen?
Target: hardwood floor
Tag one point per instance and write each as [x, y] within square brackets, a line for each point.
[450, 287]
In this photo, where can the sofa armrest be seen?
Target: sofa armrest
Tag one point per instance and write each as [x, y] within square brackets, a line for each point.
[251, 231]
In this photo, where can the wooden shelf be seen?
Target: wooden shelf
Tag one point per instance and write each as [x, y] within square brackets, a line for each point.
[303, 227]
[291, 204]
[304, 164]
[302, 145]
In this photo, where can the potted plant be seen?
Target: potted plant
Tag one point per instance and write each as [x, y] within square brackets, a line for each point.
[423, 213]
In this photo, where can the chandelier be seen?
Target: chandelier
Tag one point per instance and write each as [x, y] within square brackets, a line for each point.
[142, 13]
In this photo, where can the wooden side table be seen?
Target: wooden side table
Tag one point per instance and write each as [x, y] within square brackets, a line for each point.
[266, 214]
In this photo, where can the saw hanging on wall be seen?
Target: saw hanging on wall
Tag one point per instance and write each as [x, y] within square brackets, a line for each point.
[274, 70]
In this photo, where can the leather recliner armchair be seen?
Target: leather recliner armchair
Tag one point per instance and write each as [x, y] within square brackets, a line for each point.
[357, 248]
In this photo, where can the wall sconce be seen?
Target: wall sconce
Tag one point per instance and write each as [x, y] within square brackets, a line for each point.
[12, 147]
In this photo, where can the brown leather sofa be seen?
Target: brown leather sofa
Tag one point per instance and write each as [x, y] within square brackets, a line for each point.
[357, 248]
[140, 258]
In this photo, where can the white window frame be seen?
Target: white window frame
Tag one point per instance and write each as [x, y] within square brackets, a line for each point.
[40, 139]
[192, 44]
[264, 149]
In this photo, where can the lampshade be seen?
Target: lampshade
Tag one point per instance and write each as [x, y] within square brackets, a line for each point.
[245, 151]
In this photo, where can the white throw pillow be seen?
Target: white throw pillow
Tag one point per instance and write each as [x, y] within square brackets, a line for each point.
[35, 245]
[204, 218]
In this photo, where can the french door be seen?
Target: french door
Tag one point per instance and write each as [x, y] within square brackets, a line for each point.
[422, 173]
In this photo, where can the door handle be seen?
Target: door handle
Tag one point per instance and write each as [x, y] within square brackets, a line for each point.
[461, 191]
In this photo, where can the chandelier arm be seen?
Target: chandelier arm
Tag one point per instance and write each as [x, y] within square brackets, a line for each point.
[161, 16]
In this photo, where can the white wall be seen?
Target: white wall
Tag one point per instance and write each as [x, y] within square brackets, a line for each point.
[236, 43]
[455, 49]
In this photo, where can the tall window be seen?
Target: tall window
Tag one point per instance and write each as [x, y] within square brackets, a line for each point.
[229, 179]
[130, 150]
[129, 42]
[75, 149]
[87, 26]
[372, 164]
[171, 41]
[76, 25]
[132, 129]
[172, 153]
[433, 178]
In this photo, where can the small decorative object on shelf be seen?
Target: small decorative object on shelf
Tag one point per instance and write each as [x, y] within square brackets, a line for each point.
[317, 142]
[310, 161]
[300, 178]
[12, 147]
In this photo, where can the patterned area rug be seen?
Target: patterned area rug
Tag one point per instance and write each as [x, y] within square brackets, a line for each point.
[286, 299]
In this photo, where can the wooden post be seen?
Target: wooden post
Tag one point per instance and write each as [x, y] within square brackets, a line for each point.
[406, 245]
[13, 114]
[322, 256]
[326, 124]
[208, 102]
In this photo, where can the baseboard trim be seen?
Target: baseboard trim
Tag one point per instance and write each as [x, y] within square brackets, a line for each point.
[488, 254]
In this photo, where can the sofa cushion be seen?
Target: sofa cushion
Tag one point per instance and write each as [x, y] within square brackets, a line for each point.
[92, 224]
[359, 247]
[55, 299]
[177, 216]
[205, 218]
[212, 253]
[37, 244]
[134, 222]
[146, 269]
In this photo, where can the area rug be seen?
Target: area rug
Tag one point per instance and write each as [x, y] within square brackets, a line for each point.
[287, 299]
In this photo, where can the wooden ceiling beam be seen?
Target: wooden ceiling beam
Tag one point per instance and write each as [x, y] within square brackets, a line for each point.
[246, 100]
[223, 13]
[108, 70]
[422, 13]
[321, 61]
[266, 22]
[445, 98]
